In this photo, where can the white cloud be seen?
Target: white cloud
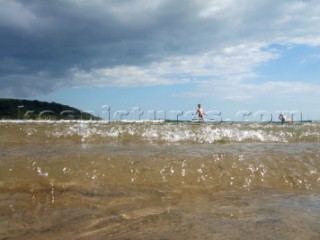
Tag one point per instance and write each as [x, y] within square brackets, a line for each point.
[310, 58]
[216, 45]
[120, 76]
[241, 91]
[237, 98]
[17, 15]
[9, 15]
[231, 64]
[33, 84]
[215, 7]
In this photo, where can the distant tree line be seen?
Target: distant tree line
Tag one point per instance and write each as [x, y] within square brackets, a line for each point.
[26, 109]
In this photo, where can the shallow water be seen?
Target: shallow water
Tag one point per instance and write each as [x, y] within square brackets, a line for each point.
[159, 181]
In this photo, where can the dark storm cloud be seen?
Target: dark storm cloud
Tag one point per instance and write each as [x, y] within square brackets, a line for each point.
[45, 44]
[50, 37]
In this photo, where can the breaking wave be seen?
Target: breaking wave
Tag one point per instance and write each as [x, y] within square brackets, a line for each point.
[166, 132]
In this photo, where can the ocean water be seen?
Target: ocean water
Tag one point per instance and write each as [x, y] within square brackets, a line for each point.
[153, 180]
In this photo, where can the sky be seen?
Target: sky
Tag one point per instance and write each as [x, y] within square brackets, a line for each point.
[164, 55]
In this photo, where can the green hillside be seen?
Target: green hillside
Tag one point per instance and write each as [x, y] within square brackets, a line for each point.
[26, 109]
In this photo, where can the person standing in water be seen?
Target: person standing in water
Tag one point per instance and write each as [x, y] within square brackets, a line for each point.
[200, 112]
[282, 118]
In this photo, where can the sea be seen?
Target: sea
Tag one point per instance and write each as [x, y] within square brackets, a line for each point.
[159, 180]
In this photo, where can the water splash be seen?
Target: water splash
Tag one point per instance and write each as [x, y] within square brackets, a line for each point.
[172, 133]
